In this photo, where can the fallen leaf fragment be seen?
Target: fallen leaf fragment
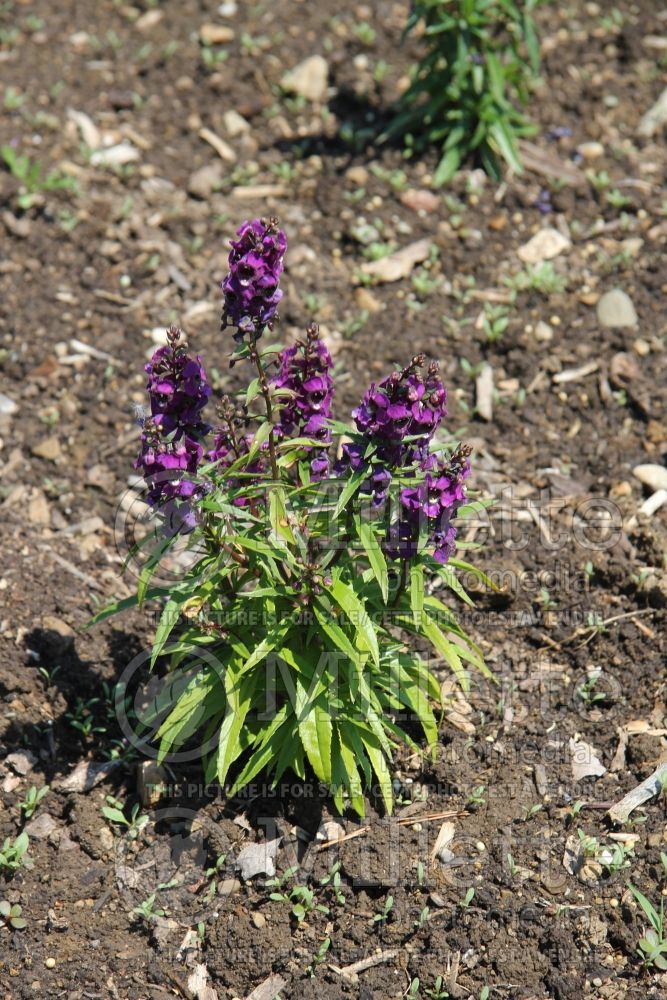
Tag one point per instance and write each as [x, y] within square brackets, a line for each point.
[198, 984]
[258, 859]
[585, 762]
[86, 775]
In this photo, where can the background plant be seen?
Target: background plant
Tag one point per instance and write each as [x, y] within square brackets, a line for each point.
[480, 61]
[290, 641]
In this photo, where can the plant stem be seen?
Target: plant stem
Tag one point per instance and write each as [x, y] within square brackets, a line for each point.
[266, 393]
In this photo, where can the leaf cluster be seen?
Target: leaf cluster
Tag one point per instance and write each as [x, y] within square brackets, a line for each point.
[480, 61]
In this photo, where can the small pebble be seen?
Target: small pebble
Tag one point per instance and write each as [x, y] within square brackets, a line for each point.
[50, 963]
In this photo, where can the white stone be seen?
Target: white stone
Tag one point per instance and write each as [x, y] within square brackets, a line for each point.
[544, 245]
[308, 79]
[651, 475]
[615, 309]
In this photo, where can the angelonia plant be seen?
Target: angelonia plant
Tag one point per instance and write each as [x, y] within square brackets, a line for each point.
[322, 552]
[479, 64]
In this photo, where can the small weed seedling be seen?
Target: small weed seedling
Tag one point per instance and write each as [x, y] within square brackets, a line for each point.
[148, 911]
[301, 898]
[495, 321]
[467, 899]
[10, 915]
[422, 919]
[319, 956]
[477, 797]
[542, 278]
[15, 854]
[333, 879]
[32, 799]
[114, 813]
[586, 691]
[653, 946]
[29, 174]
[383, 915]
[437, 991]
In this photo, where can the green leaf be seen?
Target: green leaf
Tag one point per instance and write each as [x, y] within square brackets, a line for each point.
[345, 776]
[433, 633]
[417, 593]
[260, 437]
[348, 491]
[279, 520]
[334, 631]
[379, 765]
[354, 608]
[314, 720]
[376, 558]
[274, 637]
[452, 581]
[505, 142]
[239, 694]
[447, 167]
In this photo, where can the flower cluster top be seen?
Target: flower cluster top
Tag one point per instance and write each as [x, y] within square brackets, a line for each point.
[251, 287]
[395, 421]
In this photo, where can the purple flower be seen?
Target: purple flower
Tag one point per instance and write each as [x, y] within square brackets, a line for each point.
[170, 441]
[178, 389]
[397, 419]
[251, 287]
[431, 504]
[304, 390]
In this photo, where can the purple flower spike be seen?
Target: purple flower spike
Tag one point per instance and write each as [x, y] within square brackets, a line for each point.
[251, 287]
[431, 504]
[398, 417]
[170, 449]
[304, 390]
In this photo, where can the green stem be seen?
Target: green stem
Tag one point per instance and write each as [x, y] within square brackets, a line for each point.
[266, 393]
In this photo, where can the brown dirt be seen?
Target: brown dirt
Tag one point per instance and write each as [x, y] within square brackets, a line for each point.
[132, 250]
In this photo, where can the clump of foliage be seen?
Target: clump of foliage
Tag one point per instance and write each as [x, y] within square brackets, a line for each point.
[480, 60]
[317, 548]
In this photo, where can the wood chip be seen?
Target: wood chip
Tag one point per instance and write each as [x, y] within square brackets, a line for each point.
[574, 374]
[86, 775]
[198, 984]
[222, 148]
[484, 392]
[653, 785]
[546, 163]
[442, 841]
[259, 192]
[350, 972]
